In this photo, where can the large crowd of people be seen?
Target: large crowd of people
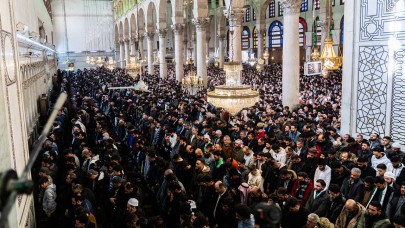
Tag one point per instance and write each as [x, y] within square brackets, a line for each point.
[166, 158]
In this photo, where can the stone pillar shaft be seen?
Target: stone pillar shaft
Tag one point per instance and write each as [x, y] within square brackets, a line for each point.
[290, 52]
[162, 53]
[235, 21]
[221, 46]
[122, 54]
[200, 23]
[260, 43]
[178, 49]
[149, 36]
[127, 50]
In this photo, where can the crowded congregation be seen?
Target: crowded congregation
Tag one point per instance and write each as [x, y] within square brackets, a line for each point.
[165, 158]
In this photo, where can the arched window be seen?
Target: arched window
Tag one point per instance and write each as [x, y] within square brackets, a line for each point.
[245, 38]
[342, 2]
[254, 37]
[254, 14]
[304, 6]
[255, 43]
[276, 34]
[317, 5]
[272, 9]
[317, 40]
[302, 30]
[247, 14]
[280, 10]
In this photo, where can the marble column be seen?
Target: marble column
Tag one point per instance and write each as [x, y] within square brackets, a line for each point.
[185, 49]
[122, 54]
[260, 44]
[235, 18]
[290, 81]
[200, 24]
[150, 36]
[207, 40]
[179, 50]
[194, 48]
[140, 45]
[221, 47]
[162, 52]
[133, 42]
[127, 50]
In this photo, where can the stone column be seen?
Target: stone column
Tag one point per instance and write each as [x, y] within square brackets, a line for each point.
[185, 49]
[260, 44]
[194, 47]
[134, 38]
[207, 40]
[162, 52]
[290, 52]
[200, 24]
[127, 50]
[140, 45]
[149, 36]
[235, 19]
[179, 50]
[122, 54]
[221, 47]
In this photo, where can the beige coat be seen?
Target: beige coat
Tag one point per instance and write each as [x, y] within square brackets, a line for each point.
[341, 221]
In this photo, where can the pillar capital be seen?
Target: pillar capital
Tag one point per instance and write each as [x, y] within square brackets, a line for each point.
[235, 16]
[178, 28]
[200, 22]
[221, 36]
[290, 6]
[149, 35]
[162, 32]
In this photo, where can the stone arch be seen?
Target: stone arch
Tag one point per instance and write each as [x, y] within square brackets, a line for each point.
[162, 13]
[151, 16]
[117, 37]
[126, 28]
[121, 30]
[132, 25]
[141, 20]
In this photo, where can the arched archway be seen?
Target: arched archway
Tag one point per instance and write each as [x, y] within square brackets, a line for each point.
[302, 26]
[276, 34]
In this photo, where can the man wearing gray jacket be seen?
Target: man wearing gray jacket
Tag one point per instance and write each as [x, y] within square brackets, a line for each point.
[48, 200]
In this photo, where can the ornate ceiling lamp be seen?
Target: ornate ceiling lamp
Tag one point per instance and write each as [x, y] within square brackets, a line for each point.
[330, 61]
[132, 67]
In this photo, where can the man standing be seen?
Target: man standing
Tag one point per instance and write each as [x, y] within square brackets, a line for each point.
[374, 217]
[396, 204]
[318, 199]
[323, 172]
[353, 186]
[222, 193]
[48, 200]
[381, 193]
[335, 204]
[350, 214]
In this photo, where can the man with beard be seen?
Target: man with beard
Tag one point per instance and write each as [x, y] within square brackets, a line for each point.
[310, 163]
[374, 217]
[323, 172]
[366, 170]
[293, 209]
[352, 187]
[379, 157]
[208, 157]
[335, 203]
[397, 166]
[317, 201]
[365, 152]
[324, 143]
[396, 205]
[302, 188]
[374, 140]
[381, 193]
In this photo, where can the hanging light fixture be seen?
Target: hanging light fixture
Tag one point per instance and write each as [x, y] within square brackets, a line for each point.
[192, 82]
[100, 61]
[266, 54]
[233, 96]
[132, 67]
[328, 57]
[111, 63]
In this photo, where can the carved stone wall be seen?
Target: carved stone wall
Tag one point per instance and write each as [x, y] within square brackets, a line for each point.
[373, 77]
